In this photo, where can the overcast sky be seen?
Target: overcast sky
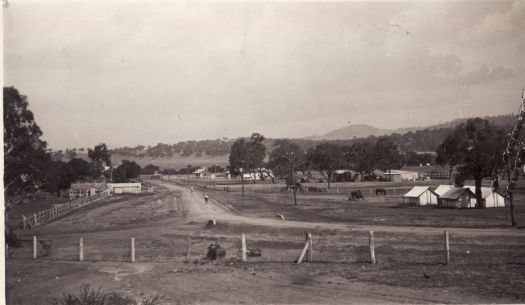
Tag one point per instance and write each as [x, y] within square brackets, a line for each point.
[144, 72]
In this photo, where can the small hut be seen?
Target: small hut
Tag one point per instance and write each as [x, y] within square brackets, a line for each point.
[420, 195]
[457, 197]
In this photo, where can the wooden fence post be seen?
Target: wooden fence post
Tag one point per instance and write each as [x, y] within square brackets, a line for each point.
[81, 249]
[24, 222]
[307, 248]
[36, 219]
[188, 252]
[243, 247]
[133, 249]
[310, 247]
[447, 247]
[372, 248]
[35, 254]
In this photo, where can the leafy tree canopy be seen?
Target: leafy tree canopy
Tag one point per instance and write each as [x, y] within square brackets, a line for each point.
[477, 147]
[126, 171]
[25, 158]
[248, 155]
[280, 157]
[327, 158]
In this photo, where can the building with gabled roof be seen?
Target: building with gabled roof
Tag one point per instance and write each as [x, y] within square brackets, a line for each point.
[200, 173]
[457, 197]
[420, 196]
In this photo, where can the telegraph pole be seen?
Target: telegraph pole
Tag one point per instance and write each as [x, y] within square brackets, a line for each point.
[291, 161]
[507, 160]
[242, 176]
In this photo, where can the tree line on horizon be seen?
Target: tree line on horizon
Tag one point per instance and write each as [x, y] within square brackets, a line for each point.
[422, 140]
[474, 148]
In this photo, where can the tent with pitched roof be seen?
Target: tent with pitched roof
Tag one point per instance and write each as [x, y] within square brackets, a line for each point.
[420, 195]
[490, 199]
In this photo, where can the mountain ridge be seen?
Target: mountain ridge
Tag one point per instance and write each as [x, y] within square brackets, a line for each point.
[365, 130]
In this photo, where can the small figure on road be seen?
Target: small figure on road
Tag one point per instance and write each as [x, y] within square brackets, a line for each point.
[191, 189]
[205, 198]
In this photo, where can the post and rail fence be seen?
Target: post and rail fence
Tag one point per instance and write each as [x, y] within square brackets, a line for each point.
[48, 215]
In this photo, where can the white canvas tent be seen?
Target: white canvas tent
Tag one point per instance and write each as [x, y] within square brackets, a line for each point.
[442, 189]
[420, 195]
[490, 200]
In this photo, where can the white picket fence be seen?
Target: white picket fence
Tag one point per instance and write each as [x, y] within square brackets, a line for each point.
[48, 215]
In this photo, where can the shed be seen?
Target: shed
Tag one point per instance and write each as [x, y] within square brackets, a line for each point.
[490, 200]
[457, 197]
[343, 175]
[84, 189]
[125, 188]
[379, 174]
[400, 176]
[200, 173]
[420, 195]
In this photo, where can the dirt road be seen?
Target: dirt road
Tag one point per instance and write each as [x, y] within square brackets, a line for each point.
[198, 209]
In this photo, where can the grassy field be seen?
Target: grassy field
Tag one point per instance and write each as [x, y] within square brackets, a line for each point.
[486, 265]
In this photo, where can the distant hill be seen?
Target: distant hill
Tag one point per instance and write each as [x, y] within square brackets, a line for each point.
[364, 130]
[215, 152]
[352, 131]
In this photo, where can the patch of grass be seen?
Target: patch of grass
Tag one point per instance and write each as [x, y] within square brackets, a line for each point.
[89, 296]
[302, 279]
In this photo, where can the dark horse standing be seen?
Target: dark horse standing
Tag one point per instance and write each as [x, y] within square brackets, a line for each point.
[356, 195]
[380, 192]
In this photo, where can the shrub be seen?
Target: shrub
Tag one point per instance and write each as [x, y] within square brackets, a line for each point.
[88, 296]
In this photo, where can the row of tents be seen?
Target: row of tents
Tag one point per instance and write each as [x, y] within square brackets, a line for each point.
[454, 197]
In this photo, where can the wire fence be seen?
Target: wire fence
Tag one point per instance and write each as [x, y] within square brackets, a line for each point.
[316, 188]
[357, 247]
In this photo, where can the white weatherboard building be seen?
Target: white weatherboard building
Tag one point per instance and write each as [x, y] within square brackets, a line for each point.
[124, 188]
[420, 195]
[400, 175]
[490, 200]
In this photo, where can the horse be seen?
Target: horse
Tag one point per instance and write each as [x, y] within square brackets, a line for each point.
[356, 195]
[380, 192]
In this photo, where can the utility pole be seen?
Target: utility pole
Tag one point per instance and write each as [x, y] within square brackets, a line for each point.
[291, 161]
[188, 173]
[509, 168]
[242, 176]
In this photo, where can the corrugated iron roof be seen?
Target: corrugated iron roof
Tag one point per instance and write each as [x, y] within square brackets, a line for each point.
[454, 193]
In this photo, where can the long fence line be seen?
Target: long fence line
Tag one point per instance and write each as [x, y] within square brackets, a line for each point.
[238, 248]
[50, 214]
[269, 188]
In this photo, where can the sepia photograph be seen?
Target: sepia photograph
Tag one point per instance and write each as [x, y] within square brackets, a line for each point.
[263, 152]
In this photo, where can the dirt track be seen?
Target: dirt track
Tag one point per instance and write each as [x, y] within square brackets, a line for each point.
[199, 210]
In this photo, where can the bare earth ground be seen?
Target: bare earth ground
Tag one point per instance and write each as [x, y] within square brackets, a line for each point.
[487, 264]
